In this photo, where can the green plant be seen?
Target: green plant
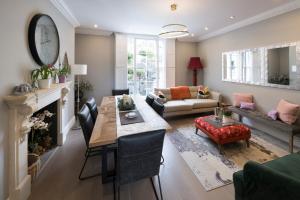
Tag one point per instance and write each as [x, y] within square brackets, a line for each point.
[227, 113]
[44, 72]
[64, 71]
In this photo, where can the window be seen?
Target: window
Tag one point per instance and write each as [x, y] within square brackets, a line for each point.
[145, 64]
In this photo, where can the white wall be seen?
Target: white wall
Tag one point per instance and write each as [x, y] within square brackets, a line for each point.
[284, 28]
[16, 60]
[184, 51]
[98, 53]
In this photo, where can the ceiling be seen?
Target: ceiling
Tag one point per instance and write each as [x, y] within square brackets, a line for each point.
[148, 16]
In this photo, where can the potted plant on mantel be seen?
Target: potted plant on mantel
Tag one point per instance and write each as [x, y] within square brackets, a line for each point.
[63, 72]
[43, 76]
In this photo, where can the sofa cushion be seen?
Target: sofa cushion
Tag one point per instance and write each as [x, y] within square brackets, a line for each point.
[193, 91]
[165, 91]
[180, 92]
[202, 103]
[288, 112]
[177, 105]
[241, 97]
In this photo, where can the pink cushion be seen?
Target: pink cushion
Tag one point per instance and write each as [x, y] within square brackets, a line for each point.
[273, 114]
[287, 112]
[241, 97]
[247, 106]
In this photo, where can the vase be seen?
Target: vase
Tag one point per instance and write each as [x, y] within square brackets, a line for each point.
[62, 78]
[44, 83]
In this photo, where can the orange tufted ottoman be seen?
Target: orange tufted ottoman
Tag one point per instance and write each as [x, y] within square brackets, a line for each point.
[222, 134]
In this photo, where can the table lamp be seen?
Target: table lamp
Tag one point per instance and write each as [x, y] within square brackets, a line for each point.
[195, 64]
[78, 69]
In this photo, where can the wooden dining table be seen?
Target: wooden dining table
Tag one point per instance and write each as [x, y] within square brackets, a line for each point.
[108, 128]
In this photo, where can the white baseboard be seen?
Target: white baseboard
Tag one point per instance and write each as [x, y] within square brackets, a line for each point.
[63, 136]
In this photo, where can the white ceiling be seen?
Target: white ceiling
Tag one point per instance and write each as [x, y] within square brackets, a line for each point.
[148, 16]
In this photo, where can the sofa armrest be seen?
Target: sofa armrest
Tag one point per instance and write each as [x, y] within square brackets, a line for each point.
[216, 96]
[264, 178]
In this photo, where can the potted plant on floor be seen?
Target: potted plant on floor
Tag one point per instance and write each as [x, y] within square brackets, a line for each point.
[43, 76]
[63, 72]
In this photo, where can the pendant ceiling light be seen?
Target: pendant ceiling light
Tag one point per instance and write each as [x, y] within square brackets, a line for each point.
[174, 30]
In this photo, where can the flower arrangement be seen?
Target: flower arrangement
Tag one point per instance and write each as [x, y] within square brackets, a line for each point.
[39, 140]
[203, 92]
[126, 103]
[43, 76]
[63, 72]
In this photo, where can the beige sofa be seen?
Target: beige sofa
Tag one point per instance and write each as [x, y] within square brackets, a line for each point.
[188, 106]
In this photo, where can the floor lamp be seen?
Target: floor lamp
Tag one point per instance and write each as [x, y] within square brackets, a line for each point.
[77, 70]
[195, 64]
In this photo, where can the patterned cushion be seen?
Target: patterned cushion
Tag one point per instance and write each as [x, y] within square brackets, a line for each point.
[224, 134]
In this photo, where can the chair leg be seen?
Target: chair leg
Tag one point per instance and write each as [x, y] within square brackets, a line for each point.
[152, 183]
[86, 177]
[161, 196]
[118, 192]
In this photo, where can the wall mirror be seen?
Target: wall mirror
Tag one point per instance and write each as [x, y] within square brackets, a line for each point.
[274, 66]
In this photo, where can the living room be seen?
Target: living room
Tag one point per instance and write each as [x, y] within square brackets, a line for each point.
[217, 84]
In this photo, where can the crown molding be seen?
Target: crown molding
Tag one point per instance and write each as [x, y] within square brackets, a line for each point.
[252, 20]
[65, 11]
[90, 31]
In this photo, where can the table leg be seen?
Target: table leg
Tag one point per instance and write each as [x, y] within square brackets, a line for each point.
[196, 132]
[220, 147]
[107, 176]
[291, 143]
[247, 143]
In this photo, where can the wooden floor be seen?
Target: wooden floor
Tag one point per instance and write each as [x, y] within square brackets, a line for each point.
[59, 179]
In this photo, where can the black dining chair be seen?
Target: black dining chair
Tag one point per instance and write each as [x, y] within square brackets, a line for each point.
[149, 99]
[158, 107]
[91, 103]
[138, 157]
[116, 92]
[87, 125]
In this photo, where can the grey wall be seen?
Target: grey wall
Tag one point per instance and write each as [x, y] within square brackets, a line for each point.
[98, 53]
[276, 30]
[183, 52]
[16, 61]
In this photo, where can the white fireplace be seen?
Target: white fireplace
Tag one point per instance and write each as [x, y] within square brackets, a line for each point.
[20, 110]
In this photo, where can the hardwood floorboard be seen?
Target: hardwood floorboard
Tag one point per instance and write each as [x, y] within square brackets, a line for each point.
[59, 179]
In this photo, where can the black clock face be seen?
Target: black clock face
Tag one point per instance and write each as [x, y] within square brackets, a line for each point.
[43, 40]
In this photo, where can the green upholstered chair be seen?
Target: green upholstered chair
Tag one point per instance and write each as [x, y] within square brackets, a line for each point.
[278, 179]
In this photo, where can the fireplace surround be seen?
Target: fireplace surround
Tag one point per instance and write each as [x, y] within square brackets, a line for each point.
[21, 109]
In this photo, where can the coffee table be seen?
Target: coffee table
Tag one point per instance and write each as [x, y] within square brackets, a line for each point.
[222, 134]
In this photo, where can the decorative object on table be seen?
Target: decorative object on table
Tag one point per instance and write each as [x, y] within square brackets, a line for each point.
[43, 76]
[197, 151]
[195, 64]
[78, 69]
[34, 165]
[218, 111]
[130, 117]
[39, 138]
[22, 89]
[203, 93]
[227, 117]
[43, 40]
[125, 103]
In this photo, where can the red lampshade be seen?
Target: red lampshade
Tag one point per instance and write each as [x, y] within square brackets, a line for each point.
[195, 63]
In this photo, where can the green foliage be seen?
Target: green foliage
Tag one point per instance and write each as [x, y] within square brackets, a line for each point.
[44, 72]
[64, 71]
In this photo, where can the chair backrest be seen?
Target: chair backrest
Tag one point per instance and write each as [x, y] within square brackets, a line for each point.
[91, 103]
[149, 100]
[120, 92]
[139, 156]
[158, 107]
[86, 123]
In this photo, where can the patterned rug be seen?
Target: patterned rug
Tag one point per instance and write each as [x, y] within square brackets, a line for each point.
[213, 169]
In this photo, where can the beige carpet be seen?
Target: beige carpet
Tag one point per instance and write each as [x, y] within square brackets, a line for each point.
[213, 169]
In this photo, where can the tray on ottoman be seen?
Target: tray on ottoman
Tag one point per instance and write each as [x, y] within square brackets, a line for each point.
[222, 134]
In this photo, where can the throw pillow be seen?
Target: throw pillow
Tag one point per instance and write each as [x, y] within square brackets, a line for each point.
[247, 106]
[287, 112]
[161, 97]
[273, 114]
[180, 92]
[241, 97]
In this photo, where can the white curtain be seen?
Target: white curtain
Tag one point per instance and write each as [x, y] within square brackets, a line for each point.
[120, 61]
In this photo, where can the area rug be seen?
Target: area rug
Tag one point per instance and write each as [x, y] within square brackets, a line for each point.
[213, 169]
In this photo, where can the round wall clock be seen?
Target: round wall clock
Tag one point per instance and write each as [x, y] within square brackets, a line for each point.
[43, 40]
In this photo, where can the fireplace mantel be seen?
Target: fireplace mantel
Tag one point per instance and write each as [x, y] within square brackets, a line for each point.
[21, 109]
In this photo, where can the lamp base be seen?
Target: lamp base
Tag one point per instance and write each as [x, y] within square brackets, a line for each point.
[195, 77]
